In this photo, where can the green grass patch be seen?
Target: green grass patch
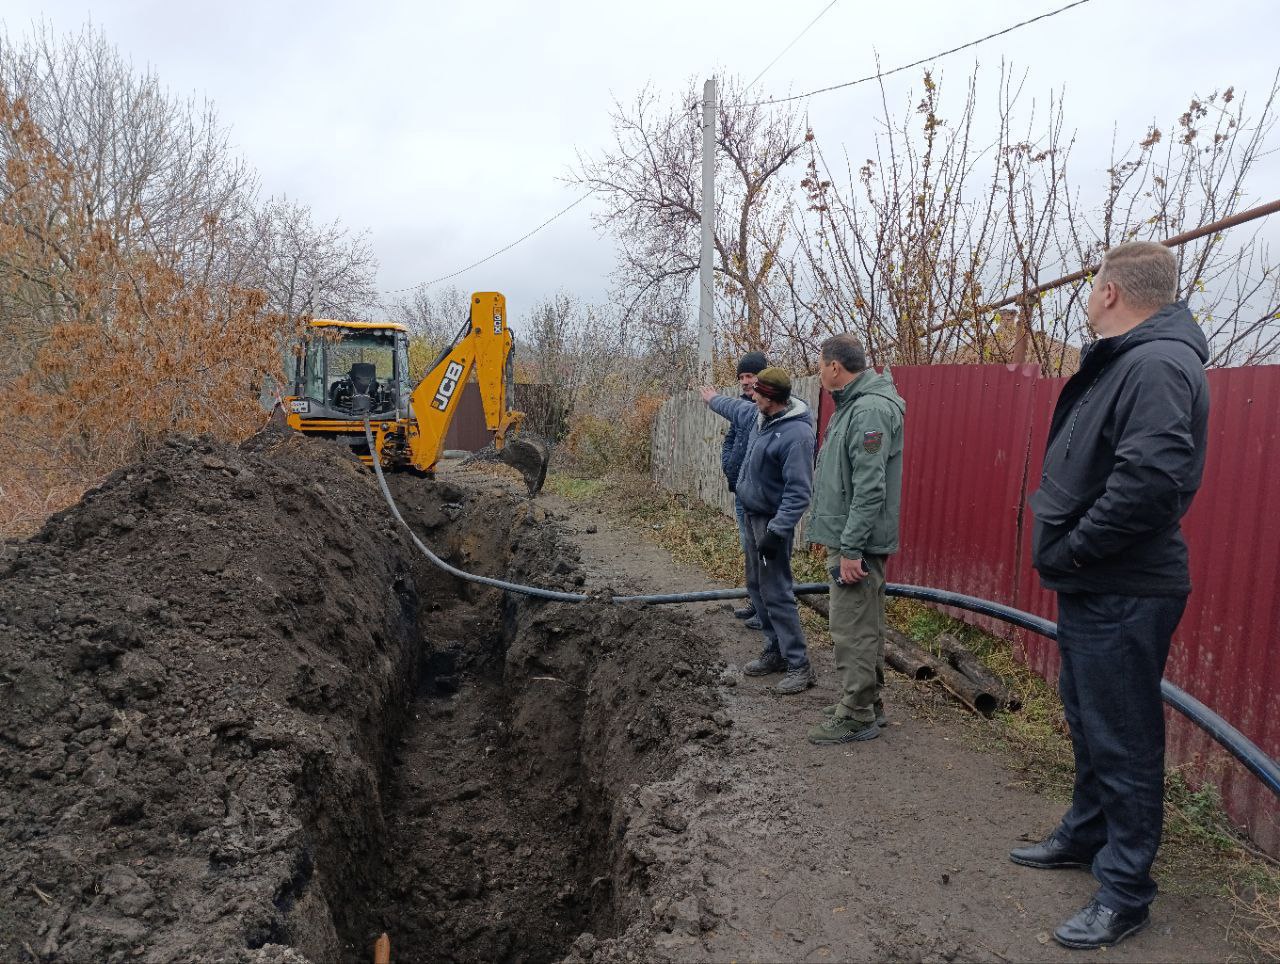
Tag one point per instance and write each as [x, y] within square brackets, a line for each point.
[574, 489]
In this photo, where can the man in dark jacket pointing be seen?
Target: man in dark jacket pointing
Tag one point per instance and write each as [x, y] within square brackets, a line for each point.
[734, 451]
[1125, 454]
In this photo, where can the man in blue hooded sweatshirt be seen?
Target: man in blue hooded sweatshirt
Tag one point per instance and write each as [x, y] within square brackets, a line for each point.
[774, 487]
[1125, 455]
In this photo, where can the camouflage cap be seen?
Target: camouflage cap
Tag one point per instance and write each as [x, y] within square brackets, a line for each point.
[774, 384]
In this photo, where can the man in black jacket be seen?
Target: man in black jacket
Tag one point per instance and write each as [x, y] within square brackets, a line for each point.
[1125, 454]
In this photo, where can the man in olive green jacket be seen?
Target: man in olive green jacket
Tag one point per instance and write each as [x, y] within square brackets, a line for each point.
[857, 493]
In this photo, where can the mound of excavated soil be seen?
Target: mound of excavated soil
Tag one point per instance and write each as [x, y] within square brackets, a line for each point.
[240, 719]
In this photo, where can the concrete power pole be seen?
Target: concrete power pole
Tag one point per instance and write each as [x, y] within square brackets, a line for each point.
[706, 302]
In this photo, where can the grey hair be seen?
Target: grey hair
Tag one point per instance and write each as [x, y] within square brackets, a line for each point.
[1145, 271]
[847, 350]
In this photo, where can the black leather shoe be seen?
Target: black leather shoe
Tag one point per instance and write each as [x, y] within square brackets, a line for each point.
[1100, 926]
[746, 612]
[1049, 854]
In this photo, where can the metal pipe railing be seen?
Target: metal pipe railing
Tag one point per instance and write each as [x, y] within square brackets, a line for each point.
[1023, 297]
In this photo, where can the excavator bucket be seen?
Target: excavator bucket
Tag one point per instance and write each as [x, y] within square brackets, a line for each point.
[529, 457]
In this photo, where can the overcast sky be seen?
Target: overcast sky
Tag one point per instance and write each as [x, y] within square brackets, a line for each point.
[444, 129]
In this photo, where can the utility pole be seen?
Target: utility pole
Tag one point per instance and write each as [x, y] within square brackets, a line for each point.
[706, 302]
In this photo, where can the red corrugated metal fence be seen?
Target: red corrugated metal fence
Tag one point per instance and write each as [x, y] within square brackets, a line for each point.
[975, 438]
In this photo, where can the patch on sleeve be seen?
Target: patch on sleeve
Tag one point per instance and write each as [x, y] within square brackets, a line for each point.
[871, 442]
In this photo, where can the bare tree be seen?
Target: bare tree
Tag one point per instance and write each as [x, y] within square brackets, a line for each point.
[434, 319]
[663, 346]
[157, 175]
[602, 374]
[312, 270]
[915, 246]
[651, 184]
[134, 348]
[136, 263]
[155, 171]
[568, 345]
[922, 236]
[1198, 173]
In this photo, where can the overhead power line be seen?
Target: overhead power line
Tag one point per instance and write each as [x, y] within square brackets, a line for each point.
[923, 60]
[780, 100]
[475, 264]
[565, 210]
[526, 236]
[790, 45]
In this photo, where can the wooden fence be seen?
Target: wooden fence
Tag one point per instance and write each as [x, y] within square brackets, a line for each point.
[687, 435]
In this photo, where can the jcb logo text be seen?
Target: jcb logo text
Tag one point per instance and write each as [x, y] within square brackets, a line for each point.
[448, 385]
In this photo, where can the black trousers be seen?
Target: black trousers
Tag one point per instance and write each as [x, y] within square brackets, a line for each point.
[1114, 650]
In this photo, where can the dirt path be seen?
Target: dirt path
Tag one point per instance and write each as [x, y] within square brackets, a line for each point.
[893, 849]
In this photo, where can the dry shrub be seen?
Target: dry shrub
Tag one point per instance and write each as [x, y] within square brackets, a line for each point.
[126, 346]
[1256, 921]
[27, 499]
[592, 445]
[599, 446]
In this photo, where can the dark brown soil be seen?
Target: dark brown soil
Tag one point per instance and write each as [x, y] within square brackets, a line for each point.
[241, 721]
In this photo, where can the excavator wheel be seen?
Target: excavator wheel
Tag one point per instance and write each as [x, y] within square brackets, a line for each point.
[529, 457]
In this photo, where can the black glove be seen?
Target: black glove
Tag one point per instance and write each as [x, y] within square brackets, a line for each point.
[770, 545]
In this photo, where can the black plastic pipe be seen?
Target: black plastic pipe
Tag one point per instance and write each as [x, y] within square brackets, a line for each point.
[1236, 743]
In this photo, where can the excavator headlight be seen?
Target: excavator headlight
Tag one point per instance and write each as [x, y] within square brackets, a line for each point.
[385, 426]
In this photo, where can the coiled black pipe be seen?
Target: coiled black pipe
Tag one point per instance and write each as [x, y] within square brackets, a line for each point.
[1236, 743]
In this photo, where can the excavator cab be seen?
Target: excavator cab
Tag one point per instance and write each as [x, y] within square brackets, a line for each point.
[351, 370]
[348, 372]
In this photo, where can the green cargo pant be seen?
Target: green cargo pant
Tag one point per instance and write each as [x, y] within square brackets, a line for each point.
[857, 629]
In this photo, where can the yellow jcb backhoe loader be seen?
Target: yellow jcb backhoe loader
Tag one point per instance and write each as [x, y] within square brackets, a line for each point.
[351, 371]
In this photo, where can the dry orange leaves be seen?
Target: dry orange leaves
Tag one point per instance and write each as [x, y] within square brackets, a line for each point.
[113, 342]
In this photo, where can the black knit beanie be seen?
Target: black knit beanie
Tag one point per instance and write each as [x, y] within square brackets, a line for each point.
[752, 363]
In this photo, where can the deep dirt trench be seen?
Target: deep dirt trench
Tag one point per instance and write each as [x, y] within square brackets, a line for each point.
[241, 720]
[499, 843]
[532, 725]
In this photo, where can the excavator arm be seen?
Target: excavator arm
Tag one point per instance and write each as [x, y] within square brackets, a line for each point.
[485, 347]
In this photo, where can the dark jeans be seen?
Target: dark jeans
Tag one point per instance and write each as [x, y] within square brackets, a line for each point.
[769, 584]
[1114, 650]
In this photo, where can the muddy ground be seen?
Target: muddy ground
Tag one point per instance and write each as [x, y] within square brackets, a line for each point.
[241, 719]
